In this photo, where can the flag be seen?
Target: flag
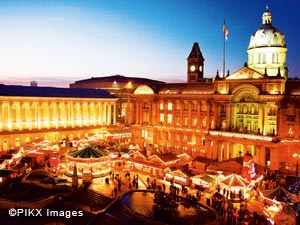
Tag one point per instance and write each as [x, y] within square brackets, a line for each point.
[225, 31]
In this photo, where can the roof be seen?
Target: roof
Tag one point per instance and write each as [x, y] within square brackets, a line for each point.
[27, 159]
[12, 151]
[28, 91]
[202, 160]
[167, 157]
[184, 88]
[208, 178]
[195, 52]
[234, 180]
[278, 193]
[87, 152]
[228, 166]
[119, 79]
[6, 156]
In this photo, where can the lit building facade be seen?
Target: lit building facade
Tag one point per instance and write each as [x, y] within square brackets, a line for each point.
[31, 113]
[118, 85]
[249, 110]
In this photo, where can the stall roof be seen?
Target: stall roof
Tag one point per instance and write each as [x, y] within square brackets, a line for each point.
[87, 152]
[278, 193]
[235, 180]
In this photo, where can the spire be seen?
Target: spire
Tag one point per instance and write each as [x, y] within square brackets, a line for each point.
[217, 76]
[278, 74]
[195, 52]
[267, 17]
[266, 74]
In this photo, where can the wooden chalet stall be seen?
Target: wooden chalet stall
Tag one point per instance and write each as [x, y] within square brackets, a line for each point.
[178, 176]
[201, 163]
[208, 182]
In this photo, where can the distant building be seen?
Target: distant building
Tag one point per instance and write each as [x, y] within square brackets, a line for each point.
[30, 113]
[118, 85]
[255, 109]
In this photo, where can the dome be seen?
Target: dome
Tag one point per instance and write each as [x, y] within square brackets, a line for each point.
[267, 49]
[267, 35]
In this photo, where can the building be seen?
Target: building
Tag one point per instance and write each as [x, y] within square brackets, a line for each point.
[37, 113]
[255, 109]
[118, 85]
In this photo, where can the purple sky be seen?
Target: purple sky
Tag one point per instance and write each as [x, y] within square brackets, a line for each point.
[57, 42]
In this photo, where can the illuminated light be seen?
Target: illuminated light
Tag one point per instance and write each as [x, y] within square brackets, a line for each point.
[224, 92]
[129, 85]
[259, 178]
[240, 135]
[275, 92]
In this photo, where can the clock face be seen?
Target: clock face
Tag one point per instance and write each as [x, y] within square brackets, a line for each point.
[192, 68]
[200, 68]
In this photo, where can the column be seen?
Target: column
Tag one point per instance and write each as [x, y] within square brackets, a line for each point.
[181, 113]
[1, 116]
[199, 121]
[104, 121]
[190, 120]
[262, 114]
[38, 113]
[115, 113]
[109, 114]
[208, 121]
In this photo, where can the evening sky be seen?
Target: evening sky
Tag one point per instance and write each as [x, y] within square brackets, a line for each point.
[56, 42]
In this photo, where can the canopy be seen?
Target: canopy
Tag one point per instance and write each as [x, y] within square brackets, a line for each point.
[278, 194]
[235, 180]
[88, 152]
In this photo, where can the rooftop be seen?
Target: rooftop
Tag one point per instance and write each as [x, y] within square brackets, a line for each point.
[29, 91]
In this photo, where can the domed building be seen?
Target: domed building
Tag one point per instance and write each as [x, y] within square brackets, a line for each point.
[252, 110]
[267, 49]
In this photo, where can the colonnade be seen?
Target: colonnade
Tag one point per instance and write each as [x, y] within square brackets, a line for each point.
[48, 113]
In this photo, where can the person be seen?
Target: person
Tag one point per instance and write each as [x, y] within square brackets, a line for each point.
[115, 191]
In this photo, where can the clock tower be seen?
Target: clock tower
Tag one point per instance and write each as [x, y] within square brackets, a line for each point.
[195, 64]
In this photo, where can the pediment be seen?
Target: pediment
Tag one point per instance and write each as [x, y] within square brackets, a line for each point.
[245, 73]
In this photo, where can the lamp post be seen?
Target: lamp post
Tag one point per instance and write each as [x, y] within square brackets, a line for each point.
[297, 156]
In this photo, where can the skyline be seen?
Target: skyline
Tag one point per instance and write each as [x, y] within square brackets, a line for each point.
[59, 42]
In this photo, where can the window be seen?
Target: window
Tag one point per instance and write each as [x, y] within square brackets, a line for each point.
[161, 106]
[291, 132]
[195, 122]
[275, 57]
[145, 133]
[185, 107]
[194, 107]
[145, 105]
[204, 123]
[177, 121]
[170, 105]
[169, 119]
[185, 121]
[161, 118]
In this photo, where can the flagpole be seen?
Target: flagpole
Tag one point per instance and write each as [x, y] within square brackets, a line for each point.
[224, 46]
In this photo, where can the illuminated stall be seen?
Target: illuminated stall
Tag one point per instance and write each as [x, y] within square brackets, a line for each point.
[236, 186]
[90, 160]
[205, 181]
[177, 176]
[276, 211]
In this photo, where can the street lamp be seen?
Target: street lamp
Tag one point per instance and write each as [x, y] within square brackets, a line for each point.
[297, 156]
